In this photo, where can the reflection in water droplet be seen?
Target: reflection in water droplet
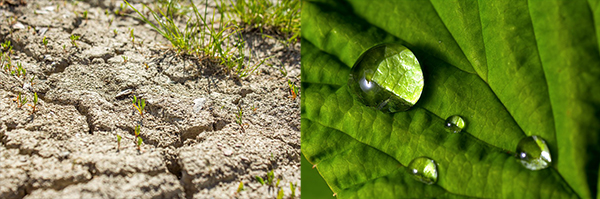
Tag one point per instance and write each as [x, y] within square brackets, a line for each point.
[455, 124]
[533, 153]
[387, 77]
[423, 169]
[368, 86]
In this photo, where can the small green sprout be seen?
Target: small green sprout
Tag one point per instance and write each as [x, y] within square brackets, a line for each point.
[118, 142]
[293, 89]
[65, 48]
[293, 189]
[21, 72]
[85, 15]
[18, 70]
[132, 36]
[277, 184]
[139, 105]
[270, 177]
[45, 42]
[280, 194]
[6, 45]
[272, 157]
[121, 10]
[73, 39]
[283, 71]
[35, 102]
[21, 100]
[110, 21]
[116, 32]
[137, 131]
[139, 144]
[240, 187]
[8, 66]
[8, 59]
[9, 49]
[125, 58]
[31, 80]
[238, 119]
[2, 60]
[260, 180]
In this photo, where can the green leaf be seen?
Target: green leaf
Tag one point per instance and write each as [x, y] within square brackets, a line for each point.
[260, 180]
[240, 187]
[511, 69]
[293, 190]
[280, 194]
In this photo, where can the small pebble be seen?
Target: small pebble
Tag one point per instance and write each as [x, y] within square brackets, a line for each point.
[124, 93]
[228, 152]
[18, 25]
[199, 104]
[65, 154]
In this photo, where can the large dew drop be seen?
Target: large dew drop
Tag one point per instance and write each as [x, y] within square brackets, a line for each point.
[533, 153]
[387, 77]
[423, 169]
[455, 124]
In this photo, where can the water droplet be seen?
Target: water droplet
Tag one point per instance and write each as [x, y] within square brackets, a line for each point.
[455, 124]
[423, 169]
[533, 153]
[387, 77]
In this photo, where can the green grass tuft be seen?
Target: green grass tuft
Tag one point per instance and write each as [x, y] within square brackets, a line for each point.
[282, 17]
[215, 37]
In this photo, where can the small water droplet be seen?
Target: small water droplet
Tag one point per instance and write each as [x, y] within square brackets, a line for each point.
[387, 77]
[423, 169]
[533, 153]
[455, 124]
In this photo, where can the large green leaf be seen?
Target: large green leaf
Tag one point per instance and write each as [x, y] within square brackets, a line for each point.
[511, 68]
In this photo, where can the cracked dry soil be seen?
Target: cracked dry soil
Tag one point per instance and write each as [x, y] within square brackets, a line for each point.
[193, 148]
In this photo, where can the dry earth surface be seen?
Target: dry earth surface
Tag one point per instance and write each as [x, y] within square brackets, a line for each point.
[193, 148]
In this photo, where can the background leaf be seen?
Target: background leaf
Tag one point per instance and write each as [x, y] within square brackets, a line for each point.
[512, 69]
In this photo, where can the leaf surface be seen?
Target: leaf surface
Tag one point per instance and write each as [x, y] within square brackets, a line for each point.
[512, 69]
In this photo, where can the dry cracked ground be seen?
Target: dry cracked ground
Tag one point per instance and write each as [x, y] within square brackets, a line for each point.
[193, 147]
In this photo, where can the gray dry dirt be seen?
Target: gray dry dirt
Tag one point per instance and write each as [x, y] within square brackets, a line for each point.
[193, 148]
